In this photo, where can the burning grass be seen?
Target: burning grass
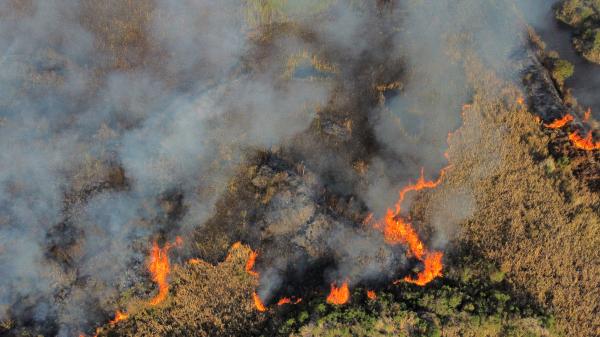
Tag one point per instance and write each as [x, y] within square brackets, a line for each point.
[527, 214]
[205, 300]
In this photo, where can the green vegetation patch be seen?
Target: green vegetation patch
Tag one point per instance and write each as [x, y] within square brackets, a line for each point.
[473, 300]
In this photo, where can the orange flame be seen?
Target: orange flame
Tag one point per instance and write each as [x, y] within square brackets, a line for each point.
[159, 267]
[397, 230]
[250, 264]
[119, 316]
[433, 269]
[586, 143]
[287, 300]
[260, 306]
[559, 123]
[371, 295]
[339, 296]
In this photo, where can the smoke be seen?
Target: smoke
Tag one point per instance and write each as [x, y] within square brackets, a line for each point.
[103, 147]
[112, 137]
[435, 40]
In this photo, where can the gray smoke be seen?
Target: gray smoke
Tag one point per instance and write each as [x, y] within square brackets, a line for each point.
[73, 111]
[105, 147]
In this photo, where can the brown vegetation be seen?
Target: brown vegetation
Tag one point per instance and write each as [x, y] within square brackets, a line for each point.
[205, 300]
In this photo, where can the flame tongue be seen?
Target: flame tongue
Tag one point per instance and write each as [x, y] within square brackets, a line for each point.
[258, 303]
[559, 123]
[160, 268]
[287, 300]
[432, 269]
[119, 316]
[586, 143]
[339, 296]
[250, 264]
[396, 230]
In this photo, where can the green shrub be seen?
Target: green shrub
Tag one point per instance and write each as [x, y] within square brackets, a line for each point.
[561, 70]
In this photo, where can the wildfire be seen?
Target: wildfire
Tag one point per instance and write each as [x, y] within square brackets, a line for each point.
[260, 306]
[339, 296]
[119, 316]
[250, 264]
[397, 230]
[559, 123]
[159, 267]
[586, 143]
[371, 295]
[287, 300]
[433, 268]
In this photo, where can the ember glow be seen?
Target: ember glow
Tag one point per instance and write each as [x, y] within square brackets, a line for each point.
[159, 267]
[586, 143]
[339, 296]
[371, 295]
[559, 123]
[520, 100]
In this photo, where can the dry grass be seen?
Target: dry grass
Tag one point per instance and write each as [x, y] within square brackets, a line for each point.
[205, 300]
[541, 226]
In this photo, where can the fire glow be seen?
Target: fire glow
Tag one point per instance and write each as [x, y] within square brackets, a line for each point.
[287, 300]
[250, 264]
[586, 143]
[371, 295]
[559, 123]
[339, 296]
[258, 303]
[159, 267]
[119, 316]
[397, 230]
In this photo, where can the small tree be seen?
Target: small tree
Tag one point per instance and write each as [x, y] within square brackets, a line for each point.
[561, 70]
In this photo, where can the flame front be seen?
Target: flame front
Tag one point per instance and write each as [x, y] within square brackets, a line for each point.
[119, 316]
[287, 300]
[160, 268]
[559, 123]
[258, 303]
[586, 143]
[433, 268]
[396, 230]
[250, 264]
[339, 296]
